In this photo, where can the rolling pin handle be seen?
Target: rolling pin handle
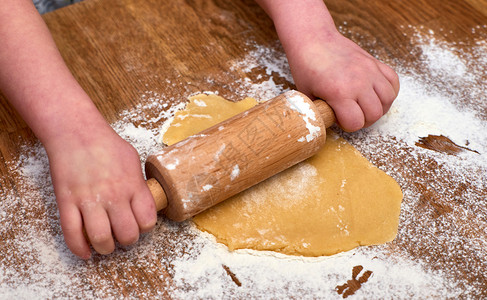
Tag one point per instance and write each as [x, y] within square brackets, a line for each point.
[158, 193]
[326, 112]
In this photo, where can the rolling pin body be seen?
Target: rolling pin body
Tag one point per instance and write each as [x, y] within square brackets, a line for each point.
[225, 159]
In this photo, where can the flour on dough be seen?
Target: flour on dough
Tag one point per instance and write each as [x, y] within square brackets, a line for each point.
[332, 202]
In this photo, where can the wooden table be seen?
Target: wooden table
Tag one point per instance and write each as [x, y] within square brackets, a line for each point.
[123, 52]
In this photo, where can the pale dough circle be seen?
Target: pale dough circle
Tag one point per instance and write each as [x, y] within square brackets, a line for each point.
[332, 202]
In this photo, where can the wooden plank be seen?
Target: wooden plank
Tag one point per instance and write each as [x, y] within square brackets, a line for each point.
[478, 5]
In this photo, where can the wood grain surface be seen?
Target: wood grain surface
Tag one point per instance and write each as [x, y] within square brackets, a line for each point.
[119, 49]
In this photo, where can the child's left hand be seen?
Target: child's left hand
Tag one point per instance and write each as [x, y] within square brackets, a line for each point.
[99, 185]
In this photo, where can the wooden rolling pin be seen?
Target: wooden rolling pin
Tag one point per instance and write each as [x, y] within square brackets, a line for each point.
[223, 160]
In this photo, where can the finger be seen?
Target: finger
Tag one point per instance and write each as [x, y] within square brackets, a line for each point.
[97, 227]
[72, 226]
[385, 91]
[144, 209]
[371, 107]
[349, 115]
[391, 76]
[124, 225]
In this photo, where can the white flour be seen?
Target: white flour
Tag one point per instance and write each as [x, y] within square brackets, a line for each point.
[272, 274]
[35, 262]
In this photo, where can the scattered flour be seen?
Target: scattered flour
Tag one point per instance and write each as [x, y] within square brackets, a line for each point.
[277, 275]
[276, 73]
[200, 103]
[297, 103]
[207, 187]
[422, 112]
[235, 172]
[173, 166]
[36, 264]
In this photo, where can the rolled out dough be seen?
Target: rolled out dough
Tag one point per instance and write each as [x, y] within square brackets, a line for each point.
[332, 202]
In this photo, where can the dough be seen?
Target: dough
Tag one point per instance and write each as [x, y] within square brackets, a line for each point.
[202, 112]
[332, 202]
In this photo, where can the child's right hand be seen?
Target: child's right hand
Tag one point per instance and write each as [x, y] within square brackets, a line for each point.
[358, 87]
[326, 65]
[99, 185]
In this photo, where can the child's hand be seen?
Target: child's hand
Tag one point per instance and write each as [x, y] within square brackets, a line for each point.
[326, 65]
[96, 175]
[359, 88]
[99, 185]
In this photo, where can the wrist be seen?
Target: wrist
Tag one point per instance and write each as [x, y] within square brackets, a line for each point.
[77, 123]
[301, 24]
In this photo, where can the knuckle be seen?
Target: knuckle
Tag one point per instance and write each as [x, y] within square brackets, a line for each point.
[70, 229]
[87, 202]
[338, 91]
[371, 64]
[395, 77]
[387, 101]
[391, 73]
[376, 114]
[386, 106]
